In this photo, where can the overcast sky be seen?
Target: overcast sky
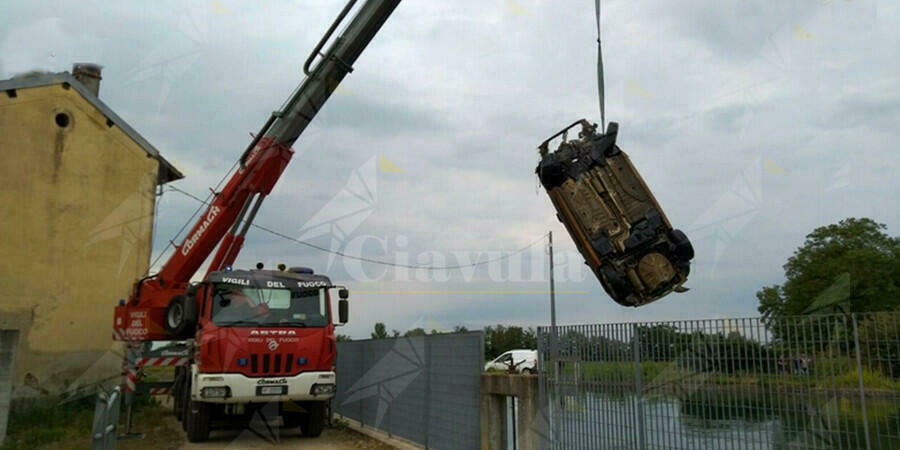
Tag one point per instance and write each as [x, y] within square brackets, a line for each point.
[753, 121]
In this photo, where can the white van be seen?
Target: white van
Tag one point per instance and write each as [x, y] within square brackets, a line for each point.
[525, 361]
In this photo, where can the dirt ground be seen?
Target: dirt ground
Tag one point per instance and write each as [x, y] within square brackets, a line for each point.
[338, 438]
[162, 431]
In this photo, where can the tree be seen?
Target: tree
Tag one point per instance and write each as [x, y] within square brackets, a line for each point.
[500, 339]
[343, 338]
[415, 332]
[851, 267]
[380, 331]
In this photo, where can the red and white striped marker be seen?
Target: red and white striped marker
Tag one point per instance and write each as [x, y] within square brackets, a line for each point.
[162, 361]
[131, 373]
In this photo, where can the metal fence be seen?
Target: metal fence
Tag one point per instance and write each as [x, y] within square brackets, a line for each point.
[425, 389]
[810, 382]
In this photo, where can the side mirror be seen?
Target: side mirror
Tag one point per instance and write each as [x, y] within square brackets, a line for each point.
[343, 310]
[343, 293]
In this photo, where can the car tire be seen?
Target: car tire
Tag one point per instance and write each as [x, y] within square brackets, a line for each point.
[683, 250]
[197, 419]
[618, 285]
[181, 316]
[313, 422]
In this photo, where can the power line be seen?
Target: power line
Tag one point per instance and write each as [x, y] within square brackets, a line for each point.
[372, 260]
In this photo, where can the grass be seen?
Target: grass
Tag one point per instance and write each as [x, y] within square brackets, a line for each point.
[48, 423]
[872, 379]
[838, 373]
[37, 422]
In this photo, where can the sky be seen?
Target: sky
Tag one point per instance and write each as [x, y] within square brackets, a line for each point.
[753, 122]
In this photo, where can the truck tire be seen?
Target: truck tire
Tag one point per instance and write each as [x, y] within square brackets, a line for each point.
[313, 422]
[181, 316]
[291, 419]
[197, 419]
[177, 404]
[185, 400]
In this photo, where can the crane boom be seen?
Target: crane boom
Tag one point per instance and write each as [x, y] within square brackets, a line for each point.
[232, 210]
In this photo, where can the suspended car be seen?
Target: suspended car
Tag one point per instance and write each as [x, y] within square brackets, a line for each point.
[612, 216]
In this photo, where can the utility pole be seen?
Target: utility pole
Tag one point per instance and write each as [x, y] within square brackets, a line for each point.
[553, 354]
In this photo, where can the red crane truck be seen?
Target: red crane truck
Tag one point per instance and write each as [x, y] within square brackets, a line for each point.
[254, 337]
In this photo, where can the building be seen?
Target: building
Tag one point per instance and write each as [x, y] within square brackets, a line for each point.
[78, 190]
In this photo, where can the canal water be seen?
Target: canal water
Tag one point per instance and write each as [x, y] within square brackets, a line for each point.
[725, 421]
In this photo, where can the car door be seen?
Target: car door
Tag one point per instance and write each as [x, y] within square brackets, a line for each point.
[502, 361]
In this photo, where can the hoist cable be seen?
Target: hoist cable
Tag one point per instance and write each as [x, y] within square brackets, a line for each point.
[600, 88]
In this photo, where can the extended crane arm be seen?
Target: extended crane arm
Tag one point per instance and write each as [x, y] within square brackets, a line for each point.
[228, 217]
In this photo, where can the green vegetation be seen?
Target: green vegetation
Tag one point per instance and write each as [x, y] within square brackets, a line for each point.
[850, 267]
[51, 423]
[500, 339]
[35, 422]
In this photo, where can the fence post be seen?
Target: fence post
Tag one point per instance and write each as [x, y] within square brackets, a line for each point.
[639, 386]
[427, 389]
[362, 370]
[859, 374]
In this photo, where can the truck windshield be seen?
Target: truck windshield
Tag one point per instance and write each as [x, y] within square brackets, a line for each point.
[249, 306]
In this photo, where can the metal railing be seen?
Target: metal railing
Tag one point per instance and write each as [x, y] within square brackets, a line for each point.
[104, 432]
[810, 382]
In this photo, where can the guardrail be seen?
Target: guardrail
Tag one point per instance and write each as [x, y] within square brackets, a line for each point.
[104, 433]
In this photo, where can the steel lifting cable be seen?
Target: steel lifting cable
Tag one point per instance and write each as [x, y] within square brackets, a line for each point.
[600, 88]
[371, 260]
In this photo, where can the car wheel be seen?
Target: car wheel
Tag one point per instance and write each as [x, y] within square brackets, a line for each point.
[618, 285]
[683, 250]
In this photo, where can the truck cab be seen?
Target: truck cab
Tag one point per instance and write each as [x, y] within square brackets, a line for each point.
[261, 337]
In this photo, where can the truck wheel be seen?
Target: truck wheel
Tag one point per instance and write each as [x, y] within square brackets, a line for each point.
[197, 419]
[291, 419]
[185, 401]
[181, 316]
[177, 403]
[312, 423]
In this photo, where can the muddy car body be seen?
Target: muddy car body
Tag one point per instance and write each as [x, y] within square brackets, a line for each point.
[613, 217]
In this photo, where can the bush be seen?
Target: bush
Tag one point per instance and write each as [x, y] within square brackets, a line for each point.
[33, 422]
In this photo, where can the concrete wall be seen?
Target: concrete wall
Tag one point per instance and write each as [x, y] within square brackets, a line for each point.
[496, 389]
[78, 211]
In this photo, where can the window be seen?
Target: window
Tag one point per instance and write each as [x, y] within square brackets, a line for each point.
[248, 306]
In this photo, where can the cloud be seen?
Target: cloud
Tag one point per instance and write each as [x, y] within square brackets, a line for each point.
[736, 123]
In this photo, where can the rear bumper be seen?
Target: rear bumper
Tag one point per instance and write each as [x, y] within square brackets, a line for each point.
[243, 389]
